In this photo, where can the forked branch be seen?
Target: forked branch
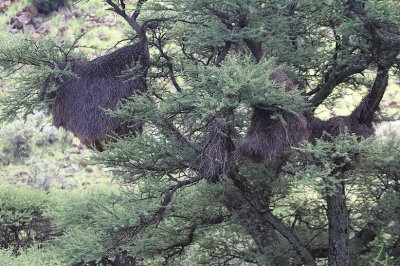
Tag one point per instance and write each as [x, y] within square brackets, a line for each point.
[266, 215]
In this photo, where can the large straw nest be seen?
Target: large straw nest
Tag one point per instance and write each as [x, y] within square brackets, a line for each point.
[99, 84]
[268, 137]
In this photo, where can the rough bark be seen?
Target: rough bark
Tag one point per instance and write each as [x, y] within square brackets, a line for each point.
[364, 113]
[255, 48]
[338, 227]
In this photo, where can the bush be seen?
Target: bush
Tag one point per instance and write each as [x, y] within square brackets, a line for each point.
[29, 257]
[21, 219]
[48, 6]
[84, 218]
[17, 137]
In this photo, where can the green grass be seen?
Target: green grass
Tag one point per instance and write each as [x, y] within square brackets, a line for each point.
[50, 158]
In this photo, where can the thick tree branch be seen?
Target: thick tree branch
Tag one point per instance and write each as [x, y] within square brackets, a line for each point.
[338, 228]
[221, 56]
[131, 20]
[268, 217]
[224, 18]
[136, 13]
[255, 48]
[364, 113]
[333, 79]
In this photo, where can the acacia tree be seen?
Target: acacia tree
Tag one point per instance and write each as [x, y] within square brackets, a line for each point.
[231, 144]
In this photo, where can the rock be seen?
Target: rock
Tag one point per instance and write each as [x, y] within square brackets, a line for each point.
[75, 151]
[43, 29]
[71, 171]
[4, 161]
[7, 150]
[33, 10]
[30, 27]
[89, 170]
[16, 24]
[24, 18]
[4, 5]
[40, 143]
[102, 36]
[86, 183]
[36, 35]
[83, 163]
[78, 13]
[52, 139]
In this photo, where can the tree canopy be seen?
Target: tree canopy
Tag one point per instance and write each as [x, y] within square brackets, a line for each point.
[232, 165]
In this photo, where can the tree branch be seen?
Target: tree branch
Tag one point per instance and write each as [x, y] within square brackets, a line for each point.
[333, 79]
[277, 224]
[364, 113]
[159, 214]
[136, 13]
[221, 56]
[131, 20]
[169, 64]
[255, 48]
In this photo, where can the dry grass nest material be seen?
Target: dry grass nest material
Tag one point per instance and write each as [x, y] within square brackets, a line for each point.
[267, 138]
[99, 84]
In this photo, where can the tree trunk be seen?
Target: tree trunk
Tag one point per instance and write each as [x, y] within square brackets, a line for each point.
[338, 227]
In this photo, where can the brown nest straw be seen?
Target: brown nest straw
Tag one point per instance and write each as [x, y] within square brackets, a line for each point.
[99, 84]
[267, 137]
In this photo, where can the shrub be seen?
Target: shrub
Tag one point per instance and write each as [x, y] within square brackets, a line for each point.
[29, 257]
[21, 220]
[17, 137]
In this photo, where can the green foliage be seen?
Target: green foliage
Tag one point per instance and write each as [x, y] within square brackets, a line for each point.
[95, 224]
[240, 80]
[48, 158]
[17, 138]
[370, 170]
[162, 213]
[21, 217]
[37, 60]
[89, 219]
[29, 257]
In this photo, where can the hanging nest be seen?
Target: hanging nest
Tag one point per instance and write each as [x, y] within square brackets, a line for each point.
[359, 122]
[268, 137]
[214, 160]
[337, 125]
[80, 100]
